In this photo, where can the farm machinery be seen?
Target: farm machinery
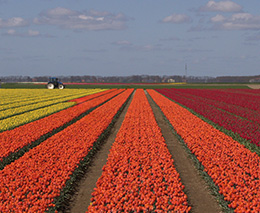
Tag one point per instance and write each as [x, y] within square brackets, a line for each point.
[55, 83]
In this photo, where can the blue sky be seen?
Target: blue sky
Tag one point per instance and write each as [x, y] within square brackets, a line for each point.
[137, 37]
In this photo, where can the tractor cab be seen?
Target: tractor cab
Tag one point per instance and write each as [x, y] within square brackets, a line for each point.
[55, 83]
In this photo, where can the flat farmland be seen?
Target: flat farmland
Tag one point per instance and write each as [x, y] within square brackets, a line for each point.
[130, 150]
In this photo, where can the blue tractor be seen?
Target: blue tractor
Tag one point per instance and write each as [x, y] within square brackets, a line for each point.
[55, 83]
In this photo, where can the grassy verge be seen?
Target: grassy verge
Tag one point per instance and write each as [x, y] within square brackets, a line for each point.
[135, 86]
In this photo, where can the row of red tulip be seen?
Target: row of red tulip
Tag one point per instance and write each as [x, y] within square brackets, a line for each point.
[31, 183]
[232, 167]
[222, 100]
[244, 121]
[250, 101]
[139, 174]
[13, 140]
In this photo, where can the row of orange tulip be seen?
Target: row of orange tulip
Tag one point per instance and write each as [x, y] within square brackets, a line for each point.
[139, 174]
[13, 140]
[87, 98]
[31, 183]
[232, 167]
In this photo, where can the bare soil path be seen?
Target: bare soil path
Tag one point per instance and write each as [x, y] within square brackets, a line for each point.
[81, 199]
[195, 187]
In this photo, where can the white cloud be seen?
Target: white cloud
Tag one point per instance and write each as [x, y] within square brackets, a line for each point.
[148, 47]
[128, 46]
[13, 22]
[29, 33]
[192, 50]
[151, 47]
[176, 18]
[242, 17]
[145, 48]
[238, 21]
[11, 32]
[33, 33]
[84, 17]
[218, 18]
[59, 11]
[123, 43]
[222, 6]
[82, 20]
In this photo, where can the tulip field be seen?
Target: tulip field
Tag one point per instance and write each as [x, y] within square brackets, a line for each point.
[50, 138]
[232, 167]
[139, 174]
[235, 110]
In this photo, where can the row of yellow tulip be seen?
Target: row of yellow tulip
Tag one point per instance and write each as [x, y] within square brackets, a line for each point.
[23, 101]
[40, 103]
[11, 95]
[18, 120]
[40, 110]
[36, 96]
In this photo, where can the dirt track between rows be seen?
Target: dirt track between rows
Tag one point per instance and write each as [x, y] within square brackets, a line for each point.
[196, 188]
[82, 198]
[199, 196]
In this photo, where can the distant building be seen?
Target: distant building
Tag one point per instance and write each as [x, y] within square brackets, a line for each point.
[170, 80]
[254, 80]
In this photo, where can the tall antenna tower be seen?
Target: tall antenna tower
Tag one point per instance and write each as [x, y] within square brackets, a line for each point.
[186, 70]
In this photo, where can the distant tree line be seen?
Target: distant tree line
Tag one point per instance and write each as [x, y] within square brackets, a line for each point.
[135, 79]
